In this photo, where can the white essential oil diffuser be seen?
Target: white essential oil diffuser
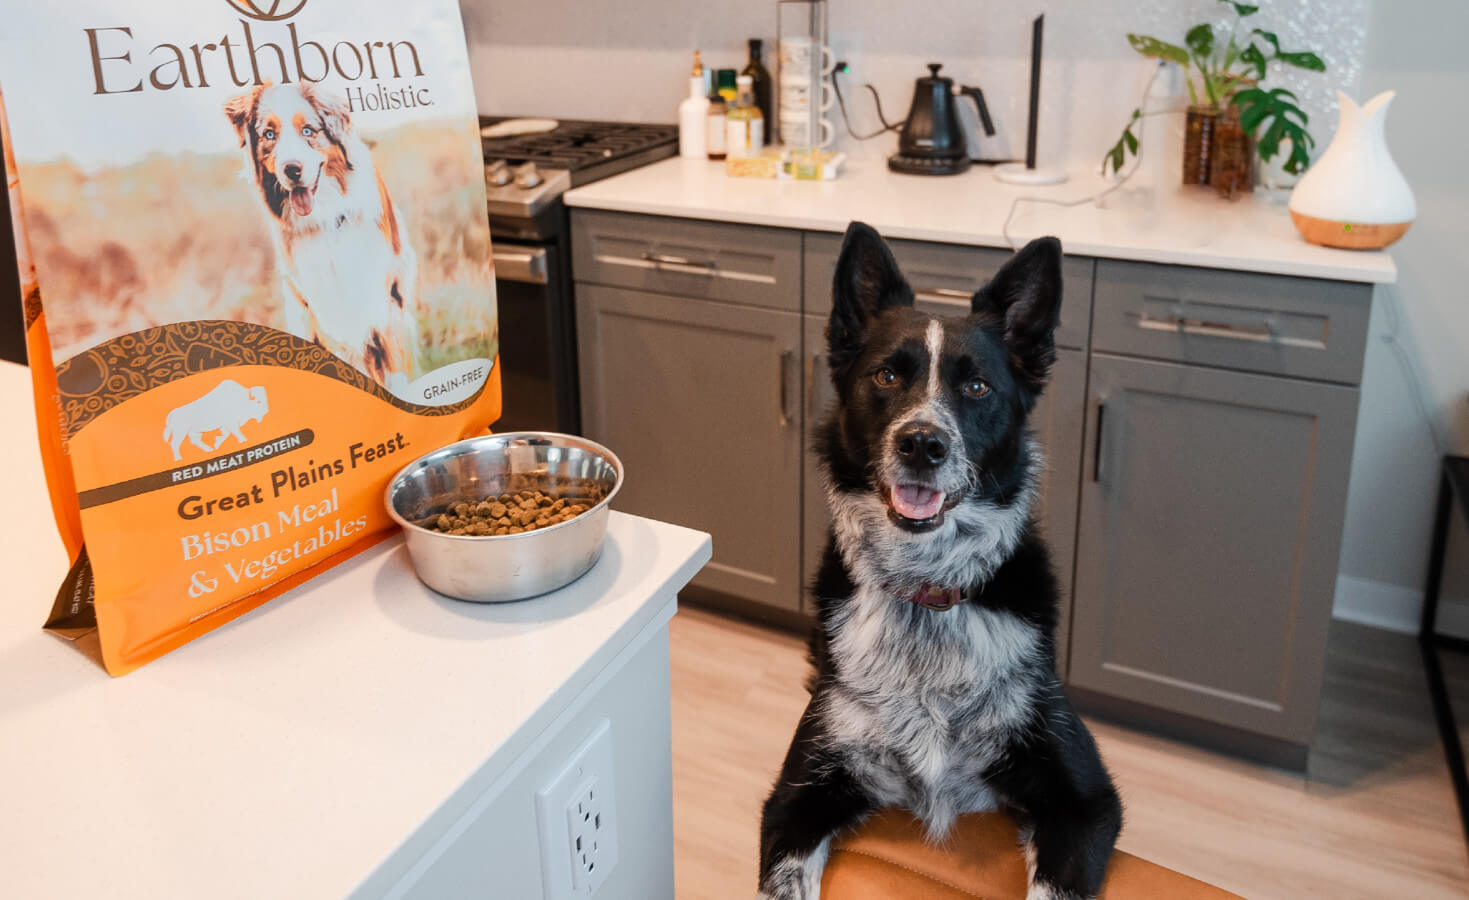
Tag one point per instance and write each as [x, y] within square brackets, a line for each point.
[1354, 196]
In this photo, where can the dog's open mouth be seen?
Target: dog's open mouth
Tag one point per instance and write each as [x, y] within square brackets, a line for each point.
[916, 507]
[303, 197]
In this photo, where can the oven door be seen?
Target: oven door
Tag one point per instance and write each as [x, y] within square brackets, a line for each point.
[537, 339]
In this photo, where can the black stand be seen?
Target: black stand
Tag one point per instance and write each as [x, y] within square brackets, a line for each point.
[1453, 499]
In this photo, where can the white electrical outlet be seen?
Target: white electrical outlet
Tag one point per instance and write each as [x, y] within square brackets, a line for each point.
[577, 815]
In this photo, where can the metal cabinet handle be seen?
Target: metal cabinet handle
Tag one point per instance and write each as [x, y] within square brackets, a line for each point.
[528, 266]
[946, 297]
[1097, 445]
[659, 260]
[1263, 333]
[782, 374]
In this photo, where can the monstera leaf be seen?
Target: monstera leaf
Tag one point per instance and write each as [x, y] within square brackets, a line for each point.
[1286, 120]
[1151, 46]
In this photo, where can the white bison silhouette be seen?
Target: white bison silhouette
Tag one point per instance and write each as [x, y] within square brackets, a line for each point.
[225, 409]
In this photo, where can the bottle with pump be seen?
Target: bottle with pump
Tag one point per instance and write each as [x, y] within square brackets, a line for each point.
[760, 78]
[745, 126]
[692, 112]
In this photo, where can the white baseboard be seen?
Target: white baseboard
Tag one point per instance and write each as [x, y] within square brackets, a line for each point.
[1389, 606]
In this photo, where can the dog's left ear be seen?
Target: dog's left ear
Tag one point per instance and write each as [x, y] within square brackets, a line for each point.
[241, 109]
[867, 282]
[336, 117]
[1026, 294]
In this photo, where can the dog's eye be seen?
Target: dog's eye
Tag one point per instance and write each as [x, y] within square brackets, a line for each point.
[976, 388]
[307, 131]
[885, 377]
[268, 134]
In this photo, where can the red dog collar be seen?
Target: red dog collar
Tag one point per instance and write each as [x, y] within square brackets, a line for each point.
[936, 598]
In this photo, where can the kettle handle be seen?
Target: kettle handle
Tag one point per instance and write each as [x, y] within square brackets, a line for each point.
[984, 110]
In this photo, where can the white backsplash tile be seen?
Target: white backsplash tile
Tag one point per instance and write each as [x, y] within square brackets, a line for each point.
[629, 60]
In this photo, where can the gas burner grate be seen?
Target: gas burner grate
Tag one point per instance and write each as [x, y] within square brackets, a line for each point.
[590, 150]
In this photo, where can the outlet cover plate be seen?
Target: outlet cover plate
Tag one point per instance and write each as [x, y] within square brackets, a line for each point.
[586, 781]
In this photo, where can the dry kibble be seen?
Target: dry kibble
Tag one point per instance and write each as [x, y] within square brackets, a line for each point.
[528, 508]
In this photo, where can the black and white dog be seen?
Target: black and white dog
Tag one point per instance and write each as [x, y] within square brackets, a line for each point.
[934, 686]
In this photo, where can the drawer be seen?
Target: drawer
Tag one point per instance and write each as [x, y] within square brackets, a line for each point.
[691, 258]
[1302, 327]
[945, 276]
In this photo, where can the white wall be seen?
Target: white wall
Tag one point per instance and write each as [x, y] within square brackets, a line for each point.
[1415, 49]
[629, 60]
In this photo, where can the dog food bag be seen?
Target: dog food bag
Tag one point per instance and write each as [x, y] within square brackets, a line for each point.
[257, 279]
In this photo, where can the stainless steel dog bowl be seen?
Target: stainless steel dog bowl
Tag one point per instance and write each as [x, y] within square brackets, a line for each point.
[494, 569]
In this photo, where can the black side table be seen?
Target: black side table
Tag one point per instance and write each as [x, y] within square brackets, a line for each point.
[1450, 550]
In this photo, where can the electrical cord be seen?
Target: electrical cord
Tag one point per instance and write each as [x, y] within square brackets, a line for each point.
[1093, 198]
[836, 88]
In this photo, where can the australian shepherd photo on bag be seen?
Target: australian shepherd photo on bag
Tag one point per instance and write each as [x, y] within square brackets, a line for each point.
[348, 273]
[935, 685]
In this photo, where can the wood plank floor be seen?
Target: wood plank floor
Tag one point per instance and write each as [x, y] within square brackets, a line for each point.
[1373, 818]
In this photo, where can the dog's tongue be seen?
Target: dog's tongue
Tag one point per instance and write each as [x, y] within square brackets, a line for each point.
[301, 201]
[916, 502]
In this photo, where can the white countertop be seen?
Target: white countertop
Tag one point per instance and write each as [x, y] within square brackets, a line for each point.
[1178, 225]
[293, 750]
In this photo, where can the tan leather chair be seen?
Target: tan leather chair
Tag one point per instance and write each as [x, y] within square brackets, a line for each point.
[887, 858]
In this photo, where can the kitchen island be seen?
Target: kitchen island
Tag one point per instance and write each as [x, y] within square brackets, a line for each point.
[359, 735]
[1198, 424]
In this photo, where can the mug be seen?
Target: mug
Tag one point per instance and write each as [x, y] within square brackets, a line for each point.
[796, 95]
[799, 55]
[796, 127]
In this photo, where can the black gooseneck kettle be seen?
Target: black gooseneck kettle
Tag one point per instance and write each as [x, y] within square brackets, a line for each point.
[932, 140]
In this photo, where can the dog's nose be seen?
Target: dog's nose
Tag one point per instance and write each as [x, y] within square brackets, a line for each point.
[292, 170]
[922, 445]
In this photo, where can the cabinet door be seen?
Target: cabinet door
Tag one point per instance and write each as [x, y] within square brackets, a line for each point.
[818, 396]
[701, 402]
[1211, 520]
[1056, 423]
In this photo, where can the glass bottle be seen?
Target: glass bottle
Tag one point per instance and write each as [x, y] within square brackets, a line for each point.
[714, 126]
[760, 77]
[745, 128]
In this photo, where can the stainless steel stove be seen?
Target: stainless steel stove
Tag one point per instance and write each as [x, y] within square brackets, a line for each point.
[529, 164]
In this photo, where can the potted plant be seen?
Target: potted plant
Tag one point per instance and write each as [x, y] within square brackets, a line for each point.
[1230, 117]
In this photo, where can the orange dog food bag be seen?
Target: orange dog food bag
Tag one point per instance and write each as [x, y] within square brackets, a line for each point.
[257, 280]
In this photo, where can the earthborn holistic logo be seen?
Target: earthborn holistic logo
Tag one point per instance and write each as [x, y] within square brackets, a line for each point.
[255, 54]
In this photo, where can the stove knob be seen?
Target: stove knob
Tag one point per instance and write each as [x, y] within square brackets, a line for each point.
[527, 177]
[498, 173]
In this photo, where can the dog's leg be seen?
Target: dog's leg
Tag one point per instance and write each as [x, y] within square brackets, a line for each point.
[1070, 810]
[814, 799]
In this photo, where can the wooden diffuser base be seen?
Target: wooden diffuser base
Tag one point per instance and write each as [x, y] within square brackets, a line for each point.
[1348, 235]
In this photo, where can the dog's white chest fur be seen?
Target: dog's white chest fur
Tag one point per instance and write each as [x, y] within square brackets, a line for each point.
[925, 701]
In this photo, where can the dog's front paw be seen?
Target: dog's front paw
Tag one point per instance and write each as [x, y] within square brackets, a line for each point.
[794, 878]
[1042, 890]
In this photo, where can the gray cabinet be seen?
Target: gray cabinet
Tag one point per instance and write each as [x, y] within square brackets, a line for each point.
[1211, 514]
[1058, 424]
[1197, 428]
[702, 403]
[818, 397]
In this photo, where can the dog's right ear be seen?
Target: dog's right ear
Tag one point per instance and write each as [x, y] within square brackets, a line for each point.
[867, 282]
[241, 110]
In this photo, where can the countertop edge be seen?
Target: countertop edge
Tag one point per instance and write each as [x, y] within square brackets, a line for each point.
[1387, 274]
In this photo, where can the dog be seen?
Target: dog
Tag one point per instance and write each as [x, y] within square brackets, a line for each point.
[348, 273]
[934, 685]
